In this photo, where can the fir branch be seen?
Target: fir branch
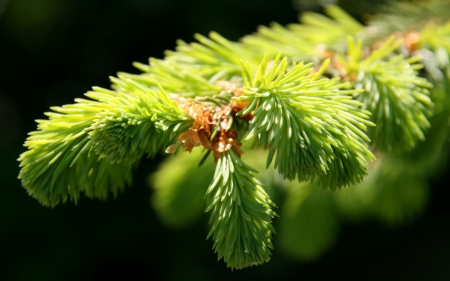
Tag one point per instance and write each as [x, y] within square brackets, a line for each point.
[131, 125]
[405, 16]
[433, 44]
[241, 215]
[314, 127]
[319, 29]
[90, 146]
[60, 164]
[172, 77]
[397, 97]
[277, 39]
[435, 35]
[220, 93]
[307, 40]
[210, 56]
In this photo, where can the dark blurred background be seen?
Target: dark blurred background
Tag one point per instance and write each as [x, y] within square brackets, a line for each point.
[52, 51]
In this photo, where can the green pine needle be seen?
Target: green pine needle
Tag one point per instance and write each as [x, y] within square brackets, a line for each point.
[319, 29]
[209, 56]
[241, 214]
[131, 125]
[173, 77]
[397, 97]
[401, 16]
[60, 162]
[89, 146]
[313, 126]
[304, 41]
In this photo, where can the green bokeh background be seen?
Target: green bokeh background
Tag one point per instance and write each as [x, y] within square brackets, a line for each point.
[52, 51]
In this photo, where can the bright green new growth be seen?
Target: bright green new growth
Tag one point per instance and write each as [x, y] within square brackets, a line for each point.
[194, 68]
[241, 215]
[89, 146]
[308, 40]
[304, 93]
[60, 162]
[312, 125]
[396, 96]
[133, 125]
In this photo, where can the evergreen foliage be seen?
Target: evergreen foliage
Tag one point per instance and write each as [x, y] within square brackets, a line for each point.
[59, 163]
[394, 93]
[321, 97]
[132, 125]
[241, 215]
[313, 126]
